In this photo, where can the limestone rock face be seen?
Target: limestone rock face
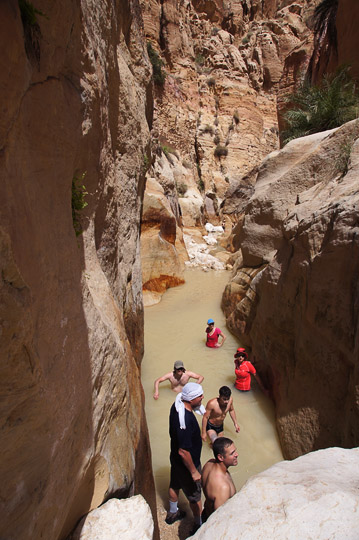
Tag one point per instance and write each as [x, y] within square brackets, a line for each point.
[128, 519]
[226, 66]
[162, 248]
[314, 496]
[75, 99]
[294, 296]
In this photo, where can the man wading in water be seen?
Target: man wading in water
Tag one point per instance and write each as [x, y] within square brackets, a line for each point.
[185, 457]
[217, 482]
[178, 378]
[216, 411]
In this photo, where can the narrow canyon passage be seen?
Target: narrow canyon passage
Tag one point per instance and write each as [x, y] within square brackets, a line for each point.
[175, 330]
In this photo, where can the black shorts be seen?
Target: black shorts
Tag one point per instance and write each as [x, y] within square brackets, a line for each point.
[217, 429]
[181, 478]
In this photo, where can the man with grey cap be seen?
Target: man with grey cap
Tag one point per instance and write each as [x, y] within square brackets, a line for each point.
[178, 378]
[185, 457]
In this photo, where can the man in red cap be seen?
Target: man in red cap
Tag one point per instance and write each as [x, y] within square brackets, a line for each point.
[243, 371]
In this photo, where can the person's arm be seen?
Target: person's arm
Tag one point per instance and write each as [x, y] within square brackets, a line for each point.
[195, 376]
[204, 422]
[232, 414]
[157, 382]
[223, 338]
[223, 493]
[187, 460]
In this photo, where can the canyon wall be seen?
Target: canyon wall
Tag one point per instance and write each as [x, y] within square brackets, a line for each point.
[224, 67]
[76, 102]
[294, 296]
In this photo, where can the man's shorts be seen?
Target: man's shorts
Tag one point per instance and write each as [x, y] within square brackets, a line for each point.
[217, 429]
[181, 478]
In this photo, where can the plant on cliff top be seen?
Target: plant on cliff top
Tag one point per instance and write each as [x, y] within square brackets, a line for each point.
[32, 32]
[159, 76]
[318, 108]
[78, 202]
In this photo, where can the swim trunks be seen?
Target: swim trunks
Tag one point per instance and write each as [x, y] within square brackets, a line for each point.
[217, 429]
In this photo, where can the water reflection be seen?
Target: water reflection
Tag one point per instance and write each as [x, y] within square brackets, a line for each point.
[175, 330]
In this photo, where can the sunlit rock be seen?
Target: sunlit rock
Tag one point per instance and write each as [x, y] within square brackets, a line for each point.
[314, 496]
[125, 519]
[294, 297]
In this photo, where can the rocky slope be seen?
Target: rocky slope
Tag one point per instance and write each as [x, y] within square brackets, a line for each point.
[215, 115]
[294, 296]
[75, 98]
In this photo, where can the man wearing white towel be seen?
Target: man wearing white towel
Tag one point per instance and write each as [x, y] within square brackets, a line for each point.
[185, 457]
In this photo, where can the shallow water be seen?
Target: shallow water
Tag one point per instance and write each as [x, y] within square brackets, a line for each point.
[175, 330]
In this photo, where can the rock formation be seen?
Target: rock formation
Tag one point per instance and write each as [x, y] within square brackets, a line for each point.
[294, 295]
[126, 519]
[215, 115]
[75, 98]
[314, 496]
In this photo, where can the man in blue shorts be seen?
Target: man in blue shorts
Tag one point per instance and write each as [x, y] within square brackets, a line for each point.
[185, 457]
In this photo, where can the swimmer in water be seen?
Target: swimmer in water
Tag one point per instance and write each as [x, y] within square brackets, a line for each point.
[178, 378]
[213, 335]
[216, 411]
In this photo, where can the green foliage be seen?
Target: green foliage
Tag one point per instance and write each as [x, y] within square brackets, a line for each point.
[200, 59]
[200, 185]
[211, 82]
[78, 202]
[208, 129]
[324, 22]
[343, 160]
[247, 38]
[220, 151]
[318, 108]
[181, 188]
[29, 13]
[159, 76]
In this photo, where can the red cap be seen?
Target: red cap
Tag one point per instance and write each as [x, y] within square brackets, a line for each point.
[241, 351]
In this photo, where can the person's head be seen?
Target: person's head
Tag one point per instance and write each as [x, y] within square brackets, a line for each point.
[225, 451]
[193, 394]
[240, 355]
[210, 323]
[224, 395]
[178, 367]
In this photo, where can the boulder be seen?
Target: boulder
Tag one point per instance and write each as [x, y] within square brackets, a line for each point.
[314, 496]
[125, 519]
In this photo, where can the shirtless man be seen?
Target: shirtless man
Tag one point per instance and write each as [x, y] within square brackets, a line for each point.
[216, 411]
[217, 483]
[178, 378]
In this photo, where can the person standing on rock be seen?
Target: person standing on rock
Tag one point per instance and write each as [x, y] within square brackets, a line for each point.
[243, 371]
[213, 335]
[217, 482]
[185, 457]
[178, 378]
[216, 411]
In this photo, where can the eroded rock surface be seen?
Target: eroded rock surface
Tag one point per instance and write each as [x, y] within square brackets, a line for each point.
[294, 296]
[126, 519]
[314, 496]
[75, 98]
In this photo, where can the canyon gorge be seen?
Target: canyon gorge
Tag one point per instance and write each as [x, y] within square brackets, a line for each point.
[156, 117]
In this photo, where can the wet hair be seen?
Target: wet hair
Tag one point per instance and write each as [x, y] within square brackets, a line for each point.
[219, 446]
[225, 392]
